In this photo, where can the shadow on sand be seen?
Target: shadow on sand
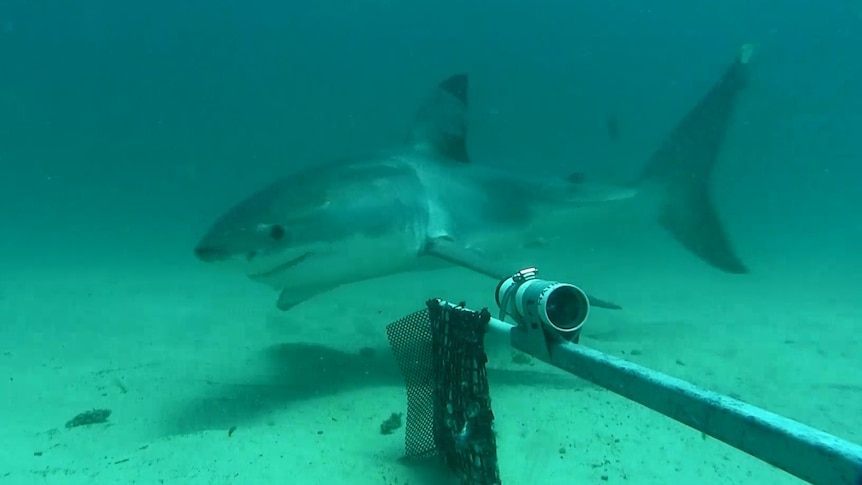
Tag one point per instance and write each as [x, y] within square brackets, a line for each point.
[301, 371]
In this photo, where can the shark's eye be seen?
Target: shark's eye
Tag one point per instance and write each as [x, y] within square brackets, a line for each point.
[276, 232]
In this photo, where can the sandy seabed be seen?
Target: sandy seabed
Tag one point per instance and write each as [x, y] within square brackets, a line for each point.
[209, 384]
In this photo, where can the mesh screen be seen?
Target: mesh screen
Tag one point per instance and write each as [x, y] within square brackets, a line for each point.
[441, 354]
[410, 339]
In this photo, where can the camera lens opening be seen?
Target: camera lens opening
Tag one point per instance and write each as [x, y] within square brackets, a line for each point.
[566, 307]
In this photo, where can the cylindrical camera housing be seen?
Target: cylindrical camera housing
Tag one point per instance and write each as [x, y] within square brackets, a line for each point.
[561, 306]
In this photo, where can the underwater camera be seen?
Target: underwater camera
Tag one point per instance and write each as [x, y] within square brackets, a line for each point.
[561, 307]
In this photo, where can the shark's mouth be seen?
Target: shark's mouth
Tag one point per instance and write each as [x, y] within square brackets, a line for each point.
[281, 267]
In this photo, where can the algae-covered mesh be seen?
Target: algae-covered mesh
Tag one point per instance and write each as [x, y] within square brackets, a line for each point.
[441, 354]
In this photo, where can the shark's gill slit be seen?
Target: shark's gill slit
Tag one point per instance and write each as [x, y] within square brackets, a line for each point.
[289, 264]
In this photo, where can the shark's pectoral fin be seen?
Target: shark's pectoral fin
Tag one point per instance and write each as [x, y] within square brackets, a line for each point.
[290, 297]
[689, 216]
[448, 250]
[599, 303]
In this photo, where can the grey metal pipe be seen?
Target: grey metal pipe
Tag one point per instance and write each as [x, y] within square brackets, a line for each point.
[805, 452]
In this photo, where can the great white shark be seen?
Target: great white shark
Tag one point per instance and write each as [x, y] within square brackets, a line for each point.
[387, 212]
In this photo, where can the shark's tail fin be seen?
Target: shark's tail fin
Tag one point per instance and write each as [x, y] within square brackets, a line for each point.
[683, 168]
[441, 123]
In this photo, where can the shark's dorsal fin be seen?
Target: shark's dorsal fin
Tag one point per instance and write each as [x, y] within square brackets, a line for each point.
[441, 123]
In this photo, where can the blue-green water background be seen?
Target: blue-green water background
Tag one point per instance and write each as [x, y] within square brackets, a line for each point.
[127, 126]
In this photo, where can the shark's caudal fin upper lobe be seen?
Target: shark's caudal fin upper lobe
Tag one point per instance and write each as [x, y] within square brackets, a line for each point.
[441, 122]
[683, 168]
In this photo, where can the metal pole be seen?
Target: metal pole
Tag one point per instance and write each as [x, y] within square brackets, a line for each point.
[805, 452]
